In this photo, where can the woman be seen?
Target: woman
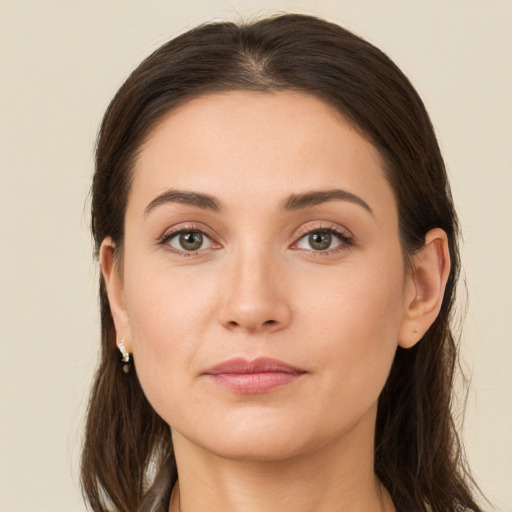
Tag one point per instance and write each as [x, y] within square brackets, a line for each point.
[278, 247]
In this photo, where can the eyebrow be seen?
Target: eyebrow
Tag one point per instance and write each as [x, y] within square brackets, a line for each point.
[292, 203]
[309, 199]
[203, 201]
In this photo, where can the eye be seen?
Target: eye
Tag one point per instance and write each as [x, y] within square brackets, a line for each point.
[323, 239]
[189, 240]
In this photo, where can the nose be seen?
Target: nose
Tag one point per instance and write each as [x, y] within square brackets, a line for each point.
[254, 298]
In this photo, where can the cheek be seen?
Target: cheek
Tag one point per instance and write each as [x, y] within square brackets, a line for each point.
[357, 322]
[169, 313]
[166, 307]
[364, 298]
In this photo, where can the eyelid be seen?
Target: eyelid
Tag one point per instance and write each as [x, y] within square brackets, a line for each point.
[345, 236]
[323, 225]
[185, 227]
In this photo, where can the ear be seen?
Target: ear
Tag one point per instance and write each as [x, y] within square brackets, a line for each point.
[115, 291]
[424, 289]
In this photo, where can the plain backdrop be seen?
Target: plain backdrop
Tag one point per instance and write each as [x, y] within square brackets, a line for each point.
[60, 64]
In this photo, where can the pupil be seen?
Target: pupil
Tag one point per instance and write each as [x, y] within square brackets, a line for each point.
[320, 241]
[191, 241]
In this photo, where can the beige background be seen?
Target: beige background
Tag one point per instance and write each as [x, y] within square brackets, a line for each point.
[61, 61]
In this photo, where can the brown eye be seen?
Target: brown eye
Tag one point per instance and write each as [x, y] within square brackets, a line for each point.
[323, 239]
[320, 240]
[189, 241]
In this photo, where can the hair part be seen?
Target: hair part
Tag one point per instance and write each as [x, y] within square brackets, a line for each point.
[128, 462]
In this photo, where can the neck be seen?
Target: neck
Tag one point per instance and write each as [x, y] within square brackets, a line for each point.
[337, 477]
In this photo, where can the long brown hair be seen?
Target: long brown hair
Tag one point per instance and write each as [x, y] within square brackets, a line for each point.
[127, 461]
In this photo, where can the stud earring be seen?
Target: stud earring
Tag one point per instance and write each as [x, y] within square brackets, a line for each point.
[125, 356]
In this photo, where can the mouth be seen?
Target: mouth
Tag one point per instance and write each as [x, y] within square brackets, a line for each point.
[251, 377]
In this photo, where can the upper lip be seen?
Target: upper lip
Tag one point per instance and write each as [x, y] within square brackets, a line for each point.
[259, 365]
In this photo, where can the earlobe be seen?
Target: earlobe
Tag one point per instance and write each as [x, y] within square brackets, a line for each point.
[425, 287]
[115, 291]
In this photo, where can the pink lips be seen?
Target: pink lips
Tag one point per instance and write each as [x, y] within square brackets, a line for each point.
[258, 376]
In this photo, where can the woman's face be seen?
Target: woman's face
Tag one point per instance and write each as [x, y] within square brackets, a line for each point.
[261, 226]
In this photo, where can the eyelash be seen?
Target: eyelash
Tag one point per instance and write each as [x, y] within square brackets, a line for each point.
[346, 240]
[167, 237]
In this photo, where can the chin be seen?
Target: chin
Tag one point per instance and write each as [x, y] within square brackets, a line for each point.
[258, 439]
[257, 448]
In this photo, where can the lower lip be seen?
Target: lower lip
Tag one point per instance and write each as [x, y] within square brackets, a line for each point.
[253, 382]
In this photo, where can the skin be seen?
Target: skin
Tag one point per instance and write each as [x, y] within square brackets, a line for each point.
[259, 286]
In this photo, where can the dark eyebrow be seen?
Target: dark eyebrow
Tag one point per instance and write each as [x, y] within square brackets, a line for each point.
[203, 201]
[293, 202]
[308, 199]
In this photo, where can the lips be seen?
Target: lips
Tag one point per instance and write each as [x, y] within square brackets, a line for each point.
[258, 376]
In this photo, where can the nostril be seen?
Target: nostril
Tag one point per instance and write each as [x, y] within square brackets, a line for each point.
[233, 323]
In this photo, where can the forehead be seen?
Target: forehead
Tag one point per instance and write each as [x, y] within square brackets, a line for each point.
[242, 145]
